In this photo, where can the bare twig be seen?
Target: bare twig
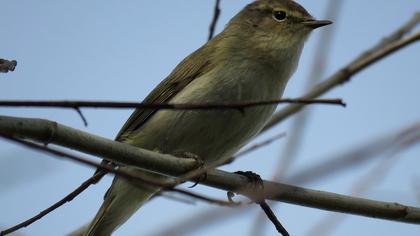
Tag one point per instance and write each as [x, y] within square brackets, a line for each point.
[204, 198]
[399, 33]
[81, 116]
[6, 65]
[327, 224]
[157, 106]
[108, 168]
[46, 131]
[344, 74]
[270, 214]
[333, 165]
[372, 178]
[216, 14]
[56, 205]
[272, 191]
[255, 147]
[389, 143]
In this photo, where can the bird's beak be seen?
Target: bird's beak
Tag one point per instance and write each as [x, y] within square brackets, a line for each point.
[313, 24]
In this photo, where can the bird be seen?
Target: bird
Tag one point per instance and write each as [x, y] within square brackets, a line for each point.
[252, 59]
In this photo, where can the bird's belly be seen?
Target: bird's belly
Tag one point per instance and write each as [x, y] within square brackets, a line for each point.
[212, 135]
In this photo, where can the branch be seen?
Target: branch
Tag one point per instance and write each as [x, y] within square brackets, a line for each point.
[170, 106]
[6, 65]
[56, 205]
[216, 14]
[343, 75]
[46, 132]
[385, 143]
[138, 176]
[215, 178]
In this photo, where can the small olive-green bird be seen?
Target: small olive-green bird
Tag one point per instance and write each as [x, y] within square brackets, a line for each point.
[250, 60]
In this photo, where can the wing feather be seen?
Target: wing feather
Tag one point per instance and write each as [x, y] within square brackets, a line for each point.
[190, 68]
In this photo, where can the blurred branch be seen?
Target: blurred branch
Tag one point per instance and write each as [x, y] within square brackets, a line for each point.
[372, 178]
[216, 14]
[181, 106]
[6, 65]
[387, 143]
[255, 147]
[319, 63]
[397, 140]
[384, 48]
[215, 178]
[416, 187]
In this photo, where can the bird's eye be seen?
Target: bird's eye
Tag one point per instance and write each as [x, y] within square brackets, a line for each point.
[279, 15]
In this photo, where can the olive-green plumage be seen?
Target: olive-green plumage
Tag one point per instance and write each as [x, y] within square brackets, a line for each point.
[251, 60]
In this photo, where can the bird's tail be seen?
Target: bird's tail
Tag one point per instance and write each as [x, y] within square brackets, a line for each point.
[122, 199]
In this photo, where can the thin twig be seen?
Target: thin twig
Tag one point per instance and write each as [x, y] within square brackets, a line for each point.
[255, 147]
[386, 143]
[343, 75]
[108, 168]
[56, 205]
[204, 169]
[170, 106]
[203, 198]
[272, 191]
[6, 65]
[79, 111]
[372, 178]
[270, 214]
[216, 14]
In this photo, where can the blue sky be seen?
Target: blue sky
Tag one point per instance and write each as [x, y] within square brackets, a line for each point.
[119, 50]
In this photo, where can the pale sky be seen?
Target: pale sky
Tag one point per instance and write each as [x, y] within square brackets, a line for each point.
[119, 50]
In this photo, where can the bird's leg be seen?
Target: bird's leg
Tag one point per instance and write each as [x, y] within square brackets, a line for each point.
[200, 165]
[258, 197]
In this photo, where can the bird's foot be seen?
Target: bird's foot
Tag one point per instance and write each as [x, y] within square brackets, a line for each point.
[200, 166]
[253, 178]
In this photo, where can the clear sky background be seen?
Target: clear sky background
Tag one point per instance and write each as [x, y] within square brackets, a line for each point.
[119, 50]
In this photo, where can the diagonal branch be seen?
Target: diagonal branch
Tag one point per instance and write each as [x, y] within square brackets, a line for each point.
[228, 181]
[216, 14]
[383, 145]
[343, 75]
[46, 132]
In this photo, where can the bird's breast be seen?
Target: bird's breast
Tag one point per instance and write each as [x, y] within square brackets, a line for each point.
[213, 135]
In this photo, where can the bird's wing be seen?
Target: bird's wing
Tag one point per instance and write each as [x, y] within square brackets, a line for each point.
[190, 68]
